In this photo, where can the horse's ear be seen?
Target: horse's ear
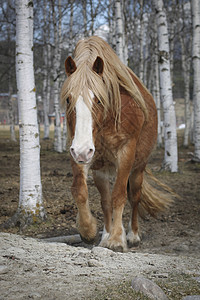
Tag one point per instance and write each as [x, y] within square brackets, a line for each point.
[98, 66]
[70, 66]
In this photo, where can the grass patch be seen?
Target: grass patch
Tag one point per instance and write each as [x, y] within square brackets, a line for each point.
[120, 291]
[176, 286]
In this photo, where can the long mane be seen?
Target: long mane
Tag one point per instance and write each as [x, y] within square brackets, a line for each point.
[106, 89]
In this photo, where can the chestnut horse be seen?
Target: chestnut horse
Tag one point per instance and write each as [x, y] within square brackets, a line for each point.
[112, 123]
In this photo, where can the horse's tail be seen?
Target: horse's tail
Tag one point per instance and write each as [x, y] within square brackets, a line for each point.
[153, 200]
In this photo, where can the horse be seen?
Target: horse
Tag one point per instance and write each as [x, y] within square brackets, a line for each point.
[112, 126]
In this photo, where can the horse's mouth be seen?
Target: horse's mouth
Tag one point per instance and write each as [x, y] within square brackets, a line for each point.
[85, 163]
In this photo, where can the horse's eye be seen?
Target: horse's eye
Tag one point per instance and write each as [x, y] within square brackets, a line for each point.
[98, 101]
[67, 100]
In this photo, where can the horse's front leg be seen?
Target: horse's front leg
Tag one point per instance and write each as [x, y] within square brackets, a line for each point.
[101, 179]
[86, 223]
[117, 238]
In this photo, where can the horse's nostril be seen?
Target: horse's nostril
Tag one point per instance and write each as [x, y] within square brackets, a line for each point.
[90, 153]
[72, 151]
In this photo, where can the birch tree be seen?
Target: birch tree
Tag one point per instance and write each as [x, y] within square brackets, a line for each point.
[56, 75]
[141, 38]
[84, 4]
[46, 49]
[30, 207]
[156, 85]
[196, 82]
[112, 25]
[186, 48]
[70, 50]
[170, 137]
[119, 30]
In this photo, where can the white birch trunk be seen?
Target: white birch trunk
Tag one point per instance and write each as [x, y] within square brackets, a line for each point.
[119, 30]
[125, 39]
[45, 98]
[56, 70]
[141, 38]
[170, 136]
[113, 29]
[30, 199]
[196, 82]
[156, 92]
[46, 74]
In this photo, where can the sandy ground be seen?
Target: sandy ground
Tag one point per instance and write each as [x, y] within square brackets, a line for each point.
[34, 269]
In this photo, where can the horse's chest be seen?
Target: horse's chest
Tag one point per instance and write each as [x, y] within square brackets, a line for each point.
[106, 152]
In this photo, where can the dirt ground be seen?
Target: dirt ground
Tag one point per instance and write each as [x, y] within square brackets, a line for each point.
[177, 231]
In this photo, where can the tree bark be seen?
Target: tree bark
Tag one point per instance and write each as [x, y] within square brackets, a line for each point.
[186, 62]
[170, 136]
[196, 68]
[46, 73]
[141, 38]
[119, 30]
[156, 88]
[30, 207]
[56, 74]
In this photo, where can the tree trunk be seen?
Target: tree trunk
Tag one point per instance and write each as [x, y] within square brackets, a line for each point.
[119, 30]
[170, 137]
[11, 116]
[56, 74]
[156, 90]
[46, 73]
[172, 25]
[113, 27]
[125, 39]
[196, 68]
[64, 136]
[141, 38]
[186, 62]
[10, 90]
[84, 3]
[30, 207]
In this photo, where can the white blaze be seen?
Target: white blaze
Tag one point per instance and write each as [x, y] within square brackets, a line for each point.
[82, 143]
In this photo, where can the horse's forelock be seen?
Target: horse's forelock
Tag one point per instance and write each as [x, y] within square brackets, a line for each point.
[107, 88]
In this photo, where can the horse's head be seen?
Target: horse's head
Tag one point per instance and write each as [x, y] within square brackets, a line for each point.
[81, 121]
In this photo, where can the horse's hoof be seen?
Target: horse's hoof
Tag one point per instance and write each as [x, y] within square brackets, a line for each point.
[133, 244]
[133, 240]
[118, 248]
[90, 241]
[114, 245]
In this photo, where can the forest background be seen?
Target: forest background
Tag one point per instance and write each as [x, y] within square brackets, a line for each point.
[58, 25]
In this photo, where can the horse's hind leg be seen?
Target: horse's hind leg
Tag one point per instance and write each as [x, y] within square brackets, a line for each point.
[101, 180]
[134, 194]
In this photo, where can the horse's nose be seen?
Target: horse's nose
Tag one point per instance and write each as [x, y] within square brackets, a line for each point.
[82, 157]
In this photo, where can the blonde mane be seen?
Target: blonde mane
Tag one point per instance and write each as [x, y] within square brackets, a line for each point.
[115, 74]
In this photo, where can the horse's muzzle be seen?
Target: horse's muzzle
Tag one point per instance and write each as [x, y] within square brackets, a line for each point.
[82, 157]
